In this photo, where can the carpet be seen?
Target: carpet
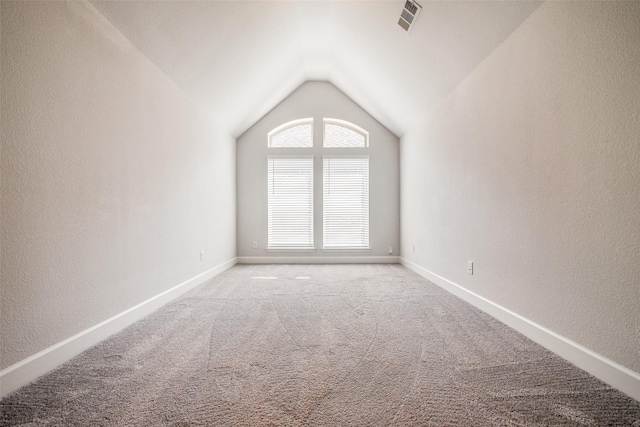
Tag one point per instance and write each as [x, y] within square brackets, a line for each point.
[318, 345]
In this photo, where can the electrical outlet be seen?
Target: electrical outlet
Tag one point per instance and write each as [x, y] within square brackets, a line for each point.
[255, 245]
[470, 267]
[414, 249]
[390, 250]
[201, 255]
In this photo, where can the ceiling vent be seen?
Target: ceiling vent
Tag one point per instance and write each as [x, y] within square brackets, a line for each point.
[409, 14]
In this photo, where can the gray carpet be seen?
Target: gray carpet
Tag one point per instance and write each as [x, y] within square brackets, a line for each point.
[364, 345]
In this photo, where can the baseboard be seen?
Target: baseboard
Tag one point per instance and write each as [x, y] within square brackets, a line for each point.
[619, 377]
[319, 260]
[27, 370]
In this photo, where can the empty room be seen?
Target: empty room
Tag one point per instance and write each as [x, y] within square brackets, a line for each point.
[320, 213]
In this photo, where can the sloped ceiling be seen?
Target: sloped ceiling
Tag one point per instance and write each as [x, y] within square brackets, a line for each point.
[239, 59]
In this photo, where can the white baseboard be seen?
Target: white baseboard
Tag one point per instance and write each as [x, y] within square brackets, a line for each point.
[319, 260]
[27, 370]
[619, 377]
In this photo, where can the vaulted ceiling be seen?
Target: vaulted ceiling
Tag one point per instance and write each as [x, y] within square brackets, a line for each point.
[239, 59]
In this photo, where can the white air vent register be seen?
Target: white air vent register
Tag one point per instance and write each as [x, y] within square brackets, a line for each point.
[409, 14]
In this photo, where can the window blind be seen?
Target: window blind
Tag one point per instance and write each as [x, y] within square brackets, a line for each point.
[346, 202]
[290, 203]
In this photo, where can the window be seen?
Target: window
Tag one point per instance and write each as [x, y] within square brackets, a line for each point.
[345, 215]
[342, 134]
[294, 134]
[345, 187]
[290, 202]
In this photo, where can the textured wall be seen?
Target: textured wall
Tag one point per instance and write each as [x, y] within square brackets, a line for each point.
[531, 168]
[318, 100]
[112, 182]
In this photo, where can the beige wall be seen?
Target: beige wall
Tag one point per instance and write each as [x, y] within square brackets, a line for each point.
[112, 181]
[531, 168]
[318, 100]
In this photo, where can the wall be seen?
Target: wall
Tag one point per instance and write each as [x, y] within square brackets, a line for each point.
[317, 100]
[531, 168]
[112, 181]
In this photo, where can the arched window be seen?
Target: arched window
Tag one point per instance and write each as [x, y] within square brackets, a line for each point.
[345, 187]
[343, 134]
[294, 134]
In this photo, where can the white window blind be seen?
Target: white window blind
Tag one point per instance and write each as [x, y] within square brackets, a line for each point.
[346, 202]
[290, 203]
